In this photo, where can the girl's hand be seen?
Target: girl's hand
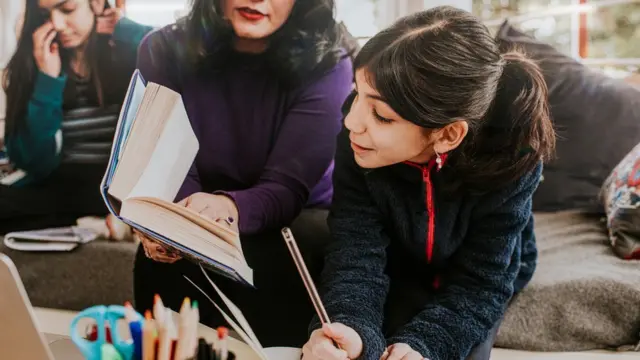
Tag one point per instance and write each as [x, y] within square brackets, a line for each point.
[45, 51]
[321, 343]
[401, 351]
[219, 208]
[154, 250]
[106, 23]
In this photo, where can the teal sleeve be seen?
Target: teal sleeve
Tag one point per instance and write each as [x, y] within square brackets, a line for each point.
[35, 147]
[129, 34]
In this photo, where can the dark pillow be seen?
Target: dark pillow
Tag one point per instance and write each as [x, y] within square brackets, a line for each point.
[621, 198]
[597, 119]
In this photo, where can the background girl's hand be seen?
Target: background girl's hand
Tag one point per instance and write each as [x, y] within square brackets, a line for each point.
[106, 23]
[45, 51]
[154, 250]
[219, 208]
[321, 343]
[401, 351]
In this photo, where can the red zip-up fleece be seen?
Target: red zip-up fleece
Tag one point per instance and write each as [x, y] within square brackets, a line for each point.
[481, 247]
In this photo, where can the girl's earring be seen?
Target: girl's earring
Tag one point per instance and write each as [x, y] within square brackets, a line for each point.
[438, 160]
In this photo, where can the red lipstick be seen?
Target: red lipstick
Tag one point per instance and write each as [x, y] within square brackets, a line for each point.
[251, 14]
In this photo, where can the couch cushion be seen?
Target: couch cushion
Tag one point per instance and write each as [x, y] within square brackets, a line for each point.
[581, 297]
[597, 119]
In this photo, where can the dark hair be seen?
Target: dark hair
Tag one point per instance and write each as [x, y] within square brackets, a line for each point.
[21, 71]
[310, 39]
[442, 65]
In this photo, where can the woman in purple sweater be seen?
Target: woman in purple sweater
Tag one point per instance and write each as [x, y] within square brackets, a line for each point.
[263, 83]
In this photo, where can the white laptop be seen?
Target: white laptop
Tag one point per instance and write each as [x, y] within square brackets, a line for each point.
[20, 336]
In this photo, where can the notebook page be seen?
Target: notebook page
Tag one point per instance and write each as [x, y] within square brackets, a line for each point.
[234, 309]
[171, 159]
[245, 337]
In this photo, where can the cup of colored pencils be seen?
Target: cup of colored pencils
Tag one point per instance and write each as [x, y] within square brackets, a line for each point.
[166, 339]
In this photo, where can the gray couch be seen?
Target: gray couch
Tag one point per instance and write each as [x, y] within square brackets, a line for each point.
[100, 272]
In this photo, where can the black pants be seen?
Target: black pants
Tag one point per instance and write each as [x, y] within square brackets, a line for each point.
[410, 288]
[66, 195]
[278, 309]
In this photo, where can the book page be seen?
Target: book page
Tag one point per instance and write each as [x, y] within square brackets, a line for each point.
[171, 159]
[191, 240]
[142, 136]
[160, 149]
[220, 231]
[178, 229]
[133, 100]
[146, 105]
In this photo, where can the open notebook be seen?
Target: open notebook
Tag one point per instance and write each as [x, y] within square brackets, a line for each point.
[55, 239]
[241, 326]
[154, 146]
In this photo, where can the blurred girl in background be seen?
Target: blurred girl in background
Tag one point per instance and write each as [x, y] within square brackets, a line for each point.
[71, 54]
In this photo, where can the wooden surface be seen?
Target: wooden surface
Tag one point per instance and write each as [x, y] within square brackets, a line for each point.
[58, 322]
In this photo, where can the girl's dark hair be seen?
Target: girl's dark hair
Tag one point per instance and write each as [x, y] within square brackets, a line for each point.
[441, 65]
[21, 71]
[310, 39]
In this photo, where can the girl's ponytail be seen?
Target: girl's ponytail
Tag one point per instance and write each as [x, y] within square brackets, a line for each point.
[517, 132]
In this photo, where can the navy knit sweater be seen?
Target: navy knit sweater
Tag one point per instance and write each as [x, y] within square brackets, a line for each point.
[476, 252]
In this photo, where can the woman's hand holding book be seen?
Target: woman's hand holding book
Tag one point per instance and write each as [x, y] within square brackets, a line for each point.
[155, 250]
[218, 208]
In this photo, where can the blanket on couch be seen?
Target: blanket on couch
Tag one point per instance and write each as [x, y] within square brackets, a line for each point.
[582, 296]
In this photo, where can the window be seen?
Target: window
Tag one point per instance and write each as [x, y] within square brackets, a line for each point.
[500, 9]
[156, 12]
[602, 33]
[9, 18]
[359, 16]
[614, 31]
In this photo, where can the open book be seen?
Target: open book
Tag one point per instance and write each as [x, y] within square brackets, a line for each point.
[154, 146]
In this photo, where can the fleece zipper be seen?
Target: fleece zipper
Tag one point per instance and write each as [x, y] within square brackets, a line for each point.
[431, 227]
